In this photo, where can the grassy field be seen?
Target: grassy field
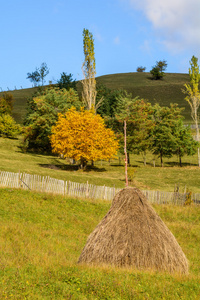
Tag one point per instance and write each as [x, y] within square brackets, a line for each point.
[164, 92]
[111, 174]
[42, 237]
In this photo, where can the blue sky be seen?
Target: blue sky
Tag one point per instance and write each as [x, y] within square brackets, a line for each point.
[127, 34]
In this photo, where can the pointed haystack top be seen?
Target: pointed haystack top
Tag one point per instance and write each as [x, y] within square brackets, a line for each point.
[133, 235]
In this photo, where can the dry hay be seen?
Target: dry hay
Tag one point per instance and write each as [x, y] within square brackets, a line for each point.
[133, 235]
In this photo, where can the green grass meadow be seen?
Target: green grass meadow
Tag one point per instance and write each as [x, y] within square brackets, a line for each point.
[111, 173]
[43, 235]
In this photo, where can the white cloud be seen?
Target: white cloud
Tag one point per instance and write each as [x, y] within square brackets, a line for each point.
[146, 47]
[98, 36]
[117, 40]
[176, 22]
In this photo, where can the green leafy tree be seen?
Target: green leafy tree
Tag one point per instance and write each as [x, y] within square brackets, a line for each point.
[143, 123]
[66, 81]
[44, 71]
[162, 65]
[6, 103]
[193, 95]
[158, 70]
[139, 122]
[39, 74]
[185, 143]
[34, 77]
[141, 69]
[164, 137]
[42, 114]
[110, 102]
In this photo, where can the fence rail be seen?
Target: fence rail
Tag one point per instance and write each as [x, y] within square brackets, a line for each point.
[83, 190]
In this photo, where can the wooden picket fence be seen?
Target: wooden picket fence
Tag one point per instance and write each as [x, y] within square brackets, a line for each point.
[83, 190]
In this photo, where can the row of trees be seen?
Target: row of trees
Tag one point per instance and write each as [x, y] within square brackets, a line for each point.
[38, 77]
[157, 71]
[149, 127]
[153, 128]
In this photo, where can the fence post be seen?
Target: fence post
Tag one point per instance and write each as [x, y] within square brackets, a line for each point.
[68, 187]
[64, 188]
[19, 180]
[87, 190]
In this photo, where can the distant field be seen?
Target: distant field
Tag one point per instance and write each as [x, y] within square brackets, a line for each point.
[164, 92]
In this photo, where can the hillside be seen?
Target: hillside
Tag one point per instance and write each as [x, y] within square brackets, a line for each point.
[42, 237]
[164, 92]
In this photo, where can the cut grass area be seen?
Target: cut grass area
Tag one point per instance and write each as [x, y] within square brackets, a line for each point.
[42, 237]
[12, 159]
[164, 92]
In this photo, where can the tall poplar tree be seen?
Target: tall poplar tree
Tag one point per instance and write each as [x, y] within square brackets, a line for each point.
[193, 95]
[89, 71]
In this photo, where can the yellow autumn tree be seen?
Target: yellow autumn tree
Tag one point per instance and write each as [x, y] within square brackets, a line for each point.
[82, 135]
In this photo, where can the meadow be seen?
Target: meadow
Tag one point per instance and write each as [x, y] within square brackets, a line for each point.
[107, 173]
[43, 235]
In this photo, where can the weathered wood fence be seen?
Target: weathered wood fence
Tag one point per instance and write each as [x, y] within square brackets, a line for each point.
[83, 190]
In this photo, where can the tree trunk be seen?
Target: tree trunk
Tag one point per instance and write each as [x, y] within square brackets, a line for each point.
[128, 159]
[161, 159]
[180, 161]
[144, 158]
[197, 134]
[83, 163]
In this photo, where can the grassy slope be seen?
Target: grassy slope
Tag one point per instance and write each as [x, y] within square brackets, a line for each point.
[139, 84]
[42, 237]
[164, 179]
[20, 100]
[168, 90]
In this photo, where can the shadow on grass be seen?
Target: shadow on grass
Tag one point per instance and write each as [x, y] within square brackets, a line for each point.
[134, 166]
[95, 169]
[68, 167]
[176, 164]
[62, 167]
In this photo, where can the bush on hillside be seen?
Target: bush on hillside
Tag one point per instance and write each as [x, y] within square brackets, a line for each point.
[8, 127]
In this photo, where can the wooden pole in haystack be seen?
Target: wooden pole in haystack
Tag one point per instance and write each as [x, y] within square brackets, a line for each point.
[125, 152]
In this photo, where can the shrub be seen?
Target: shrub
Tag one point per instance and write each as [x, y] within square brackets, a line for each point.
[8, 127]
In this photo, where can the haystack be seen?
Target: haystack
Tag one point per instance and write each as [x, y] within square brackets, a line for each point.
[133, 235]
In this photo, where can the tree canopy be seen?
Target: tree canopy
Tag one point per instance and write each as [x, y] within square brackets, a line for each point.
[6, 103]
[158, 70]
[193, 95]
[42, 114]
[82, 135]
[39, 74]
[89, 72]
[8, 127]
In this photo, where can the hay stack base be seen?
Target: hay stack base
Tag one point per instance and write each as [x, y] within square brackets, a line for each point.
[133, 235]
